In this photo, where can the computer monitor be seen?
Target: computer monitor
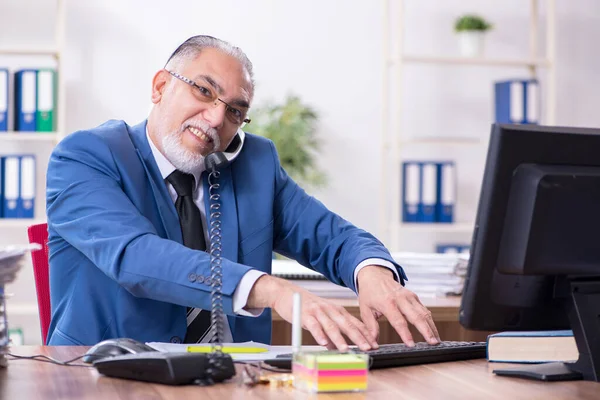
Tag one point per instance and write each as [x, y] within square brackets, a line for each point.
[535, 253]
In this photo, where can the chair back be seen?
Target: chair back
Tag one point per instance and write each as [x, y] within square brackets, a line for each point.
[39, 234]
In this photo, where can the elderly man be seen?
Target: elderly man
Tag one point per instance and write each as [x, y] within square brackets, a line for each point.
[128, 229]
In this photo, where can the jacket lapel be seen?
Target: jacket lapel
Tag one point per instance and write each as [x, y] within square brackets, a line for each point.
[166, 208]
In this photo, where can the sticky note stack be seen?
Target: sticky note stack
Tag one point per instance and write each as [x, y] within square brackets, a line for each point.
[330, 371]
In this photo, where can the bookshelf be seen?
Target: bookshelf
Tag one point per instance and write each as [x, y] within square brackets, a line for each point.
[395, 140]
[38, 143]
[22, 306]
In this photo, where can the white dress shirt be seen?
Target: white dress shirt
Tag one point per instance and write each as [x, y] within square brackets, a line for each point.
[242, 292]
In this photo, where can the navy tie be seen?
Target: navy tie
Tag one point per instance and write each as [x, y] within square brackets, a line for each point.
[198, 321]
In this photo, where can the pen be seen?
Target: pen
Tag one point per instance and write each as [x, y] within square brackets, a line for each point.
[226, 349]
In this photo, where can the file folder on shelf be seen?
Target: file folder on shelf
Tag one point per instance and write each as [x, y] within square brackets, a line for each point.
[26, 201]
[446, 191]
[429, 188]
[1, 187]
[411, 191]
[10, 199]
[3, 99]
[46, 85]
[25, 100]
[517, 101]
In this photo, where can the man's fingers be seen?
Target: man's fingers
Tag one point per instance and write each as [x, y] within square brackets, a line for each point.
[356, 331]
[332, 331]
[314, 327]
[422, 319]
[370, 322]
[397, 320]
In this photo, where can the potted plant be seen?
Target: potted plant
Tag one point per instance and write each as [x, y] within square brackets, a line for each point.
[291, 125]
[471, 29]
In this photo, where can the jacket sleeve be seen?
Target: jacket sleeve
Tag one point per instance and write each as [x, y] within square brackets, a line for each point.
[316, 237]
[88, 208]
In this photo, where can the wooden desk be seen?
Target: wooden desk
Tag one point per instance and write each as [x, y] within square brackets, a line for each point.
[443, 309]
[26, 379]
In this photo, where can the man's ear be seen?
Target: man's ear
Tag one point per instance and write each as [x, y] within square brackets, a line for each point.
[158, 85]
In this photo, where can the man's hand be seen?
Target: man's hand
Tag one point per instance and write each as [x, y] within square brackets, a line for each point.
[324, 320]
[379, 294]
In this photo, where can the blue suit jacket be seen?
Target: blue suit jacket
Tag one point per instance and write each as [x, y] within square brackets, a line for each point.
[117, 264]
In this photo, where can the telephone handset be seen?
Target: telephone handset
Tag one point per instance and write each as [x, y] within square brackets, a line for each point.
[220, 364]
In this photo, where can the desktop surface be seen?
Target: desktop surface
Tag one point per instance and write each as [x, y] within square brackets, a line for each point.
[472, 379]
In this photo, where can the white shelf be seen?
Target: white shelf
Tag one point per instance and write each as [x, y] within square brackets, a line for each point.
[415, 227]
[20, 223]
[31, 51]
[29, 136]
[21, 309]
[507, 62]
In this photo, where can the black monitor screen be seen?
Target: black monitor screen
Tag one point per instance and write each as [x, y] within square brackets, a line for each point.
[537, 231]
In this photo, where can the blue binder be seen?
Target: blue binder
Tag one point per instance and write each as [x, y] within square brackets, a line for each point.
[10, 199]
[26, 201]
[517, 101]
[25, 99]
[411, 191]
[3, 99]
[452, 248]
[446, 192]
[1, 187]
[429, 188]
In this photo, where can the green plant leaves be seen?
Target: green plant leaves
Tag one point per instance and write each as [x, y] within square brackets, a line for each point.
[471, 22]
[291, 125]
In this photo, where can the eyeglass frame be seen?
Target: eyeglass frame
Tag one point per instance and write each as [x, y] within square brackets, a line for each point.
[196, 86]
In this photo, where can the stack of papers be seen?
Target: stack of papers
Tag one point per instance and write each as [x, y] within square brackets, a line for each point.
[11, 260]
[434, 274]
[429, 274]
[309, 279]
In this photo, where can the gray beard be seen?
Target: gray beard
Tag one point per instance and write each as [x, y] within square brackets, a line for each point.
[181, 158]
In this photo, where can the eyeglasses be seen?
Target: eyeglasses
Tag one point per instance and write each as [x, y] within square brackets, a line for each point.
[206, 94]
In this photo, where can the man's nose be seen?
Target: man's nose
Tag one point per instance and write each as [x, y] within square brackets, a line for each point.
[215, 114]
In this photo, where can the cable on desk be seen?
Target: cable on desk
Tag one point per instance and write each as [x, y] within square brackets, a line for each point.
[262, 366]
[43, 358]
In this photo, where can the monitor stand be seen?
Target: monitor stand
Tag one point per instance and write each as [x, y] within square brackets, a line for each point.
[584, 317]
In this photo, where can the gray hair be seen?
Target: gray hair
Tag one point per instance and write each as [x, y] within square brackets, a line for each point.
[194, 45]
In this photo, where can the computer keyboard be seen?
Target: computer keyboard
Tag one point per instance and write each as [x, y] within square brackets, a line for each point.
[399, 354]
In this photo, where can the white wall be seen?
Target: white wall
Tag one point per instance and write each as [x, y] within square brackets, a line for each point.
[331, 54]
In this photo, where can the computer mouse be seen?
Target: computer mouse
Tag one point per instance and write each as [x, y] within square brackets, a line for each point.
[115, 347]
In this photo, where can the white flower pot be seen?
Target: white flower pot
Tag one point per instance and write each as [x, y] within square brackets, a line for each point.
[471, 43]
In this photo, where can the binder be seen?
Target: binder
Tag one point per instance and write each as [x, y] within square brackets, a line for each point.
[26, 201]
[25, 100]
[517, 101]
[1, 188]
[3, 99]
[532, 102]
[46, 95]
[10, 167]
[429, 187]
[411, 191]
[446, 181]
[451, 248]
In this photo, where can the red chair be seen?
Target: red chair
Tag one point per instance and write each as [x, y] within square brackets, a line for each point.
[39, 234]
